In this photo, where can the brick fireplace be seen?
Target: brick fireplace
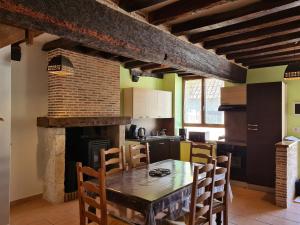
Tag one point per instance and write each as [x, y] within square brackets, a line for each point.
[88, 100]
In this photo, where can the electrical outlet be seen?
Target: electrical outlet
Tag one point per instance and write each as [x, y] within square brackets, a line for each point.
[297, 129]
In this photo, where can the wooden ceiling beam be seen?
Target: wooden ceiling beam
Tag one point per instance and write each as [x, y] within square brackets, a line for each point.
[134, 5]
[245, 13]
[269, 56]
[98, 26]
[136, 64]
[273, 19]
[280, 61]
[165, 70]
[270, 59]
[274, 63]
[262, 52]
[152, 66]
[256, 35]
[260, 44]
[179, 9]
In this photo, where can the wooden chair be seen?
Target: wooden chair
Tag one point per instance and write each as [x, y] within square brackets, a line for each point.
[202, 146]
[139, 155]
[92, 198]
[221, 195]
[200, 211]
[113, 160]
[85, 199]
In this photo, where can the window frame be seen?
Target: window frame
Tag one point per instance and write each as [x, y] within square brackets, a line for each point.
[203, 123]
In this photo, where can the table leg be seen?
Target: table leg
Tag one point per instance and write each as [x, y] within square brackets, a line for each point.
[219, 218]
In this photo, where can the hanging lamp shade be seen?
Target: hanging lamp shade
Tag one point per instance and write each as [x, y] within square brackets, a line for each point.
[60, 65]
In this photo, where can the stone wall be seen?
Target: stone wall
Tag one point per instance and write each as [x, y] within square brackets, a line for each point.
[52, 143]
[92, 91]
[286, 173]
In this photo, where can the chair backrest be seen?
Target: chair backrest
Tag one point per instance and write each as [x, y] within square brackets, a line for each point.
[139, 155]
[202, 146]
[87, 193]
[222, 180]
[201, 205]
[113, 160]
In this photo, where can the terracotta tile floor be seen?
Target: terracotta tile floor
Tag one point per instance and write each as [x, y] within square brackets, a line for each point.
[248, 208]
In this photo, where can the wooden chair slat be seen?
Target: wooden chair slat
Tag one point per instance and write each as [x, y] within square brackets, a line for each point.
[203, 197]
[90, 201]
[219, 183]
[112, 161]
[222, 159]
[112, 151]
[206, 168]
[138, 147]
[221, 170]
[139, 156]
[218, 195]
[92, 217]
[113, 171]
[90, 172]
[205, 182]
[202, 211]
[90, 187]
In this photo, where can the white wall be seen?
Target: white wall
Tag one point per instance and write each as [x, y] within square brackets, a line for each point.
[29, 101]
[5, 129]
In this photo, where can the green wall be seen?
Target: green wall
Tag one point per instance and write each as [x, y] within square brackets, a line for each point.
[273, 74]
[171, 82]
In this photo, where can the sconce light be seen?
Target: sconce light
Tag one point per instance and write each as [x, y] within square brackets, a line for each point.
[60, 65]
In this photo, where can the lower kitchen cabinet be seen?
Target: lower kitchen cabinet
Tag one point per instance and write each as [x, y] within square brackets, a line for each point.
[163, 149]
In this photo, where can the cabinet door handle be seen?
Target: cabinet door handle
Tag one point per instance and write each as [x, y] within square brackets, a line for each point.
[161, 143]
[252, 125]
[253, 129]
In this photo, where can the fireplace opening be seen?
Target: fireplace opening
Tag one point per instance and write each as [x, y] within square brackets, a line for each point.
[83, 144]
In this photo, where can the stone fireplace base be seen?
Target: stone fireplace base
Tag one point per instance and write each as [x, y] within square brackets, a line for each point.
[52, 143]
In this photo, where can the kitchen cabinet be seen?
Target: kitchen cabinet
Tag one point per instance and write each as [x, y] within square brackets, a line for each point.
[146, 103]
[164, 148]
[234, 95]
[265, 127]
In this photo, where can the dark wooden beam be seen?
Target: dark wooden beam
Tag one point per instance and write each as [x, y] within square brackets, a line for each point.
[283, 60]
[245, 13]
[181, 8]
[256, 35]
[10, 35]
[29, 35]
[100, 27]
[134, 5]
[260, 44]
[269, 56]
[273, 19]
[135, 64]
[153, 66]
[262, 52]
[269, 64]
[165, 70]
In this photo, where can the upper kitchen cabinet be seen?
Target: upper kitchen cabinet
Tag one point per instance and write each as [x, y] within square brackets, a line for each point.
[145, 103]
[234, 95]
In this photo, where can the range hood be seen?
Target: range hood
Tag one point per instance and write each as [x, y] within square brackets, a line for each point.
[232, 108]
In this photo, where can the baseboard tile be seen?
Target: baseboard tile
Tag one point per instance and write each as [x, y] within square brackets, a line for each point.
[24, 200]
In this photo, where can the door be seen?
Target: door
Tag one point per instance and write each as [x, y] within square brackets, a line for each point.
[5, 127]
[264, 118]
[175, 148]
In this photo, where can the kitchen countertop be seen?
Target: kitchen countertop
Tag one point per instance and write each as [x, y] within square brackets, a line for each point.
[152, 138]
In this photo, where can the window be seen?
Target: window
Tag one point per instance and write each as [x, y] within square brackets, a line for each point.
[201, 101]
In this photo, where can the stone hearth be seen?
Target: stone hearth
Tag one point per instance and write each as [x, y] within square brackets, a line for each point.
[52, 141]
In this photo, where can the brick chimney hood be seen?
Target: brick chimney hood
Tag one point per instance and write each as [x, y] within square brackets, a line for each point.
[61, 122]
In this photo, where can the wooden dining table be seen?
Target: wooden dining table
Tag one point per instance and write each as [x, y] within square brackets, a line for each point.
[136, 189]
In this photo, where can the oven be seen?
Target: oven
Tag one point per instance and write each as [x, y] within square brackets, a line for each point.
[238, 160]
